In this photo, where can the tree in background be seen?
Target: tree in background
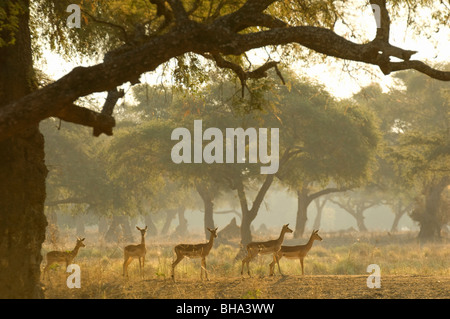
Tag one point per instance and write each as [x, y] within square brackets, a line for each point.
[416, 161]
[357, 202]
[338, 142]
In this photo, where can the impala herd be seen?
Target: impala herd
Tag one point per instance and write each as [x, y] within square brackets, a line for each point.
[202, 250]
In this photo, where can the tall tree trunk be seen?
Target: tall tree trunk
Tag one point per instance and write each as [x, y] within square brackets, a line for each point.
[399, 212]
[359, 216]
[22, 176]
[398, 216]
[208, 202]
[102, 226]
[114, 234]
[182, 228]
[126, 229]
[319, 208]
[360, 222]
[170, 214]
[80, 226]
[431, 221]
[248, 215]
[152, 230]
[303, 202]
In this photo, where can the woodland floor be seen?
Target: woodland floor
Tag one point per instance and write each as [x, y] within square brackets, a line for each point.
[277, 287]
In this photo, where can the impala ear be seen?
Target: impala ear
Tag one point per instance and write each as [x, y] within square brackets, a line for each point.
[146, 227]
[83, 239]
[138, 228]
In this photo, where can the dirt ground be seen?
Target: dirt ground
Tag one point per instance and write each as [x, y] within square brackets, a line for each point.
[278, 287]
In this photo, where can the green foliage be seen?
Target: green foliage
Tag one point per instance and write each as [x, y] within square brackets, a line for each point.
[338, 139]
[415, 160]
[415, 125]
[9, 21]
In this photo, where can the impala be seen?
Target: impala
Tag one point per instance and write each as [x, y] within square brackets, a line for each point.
[195, 251]
[66, 257]
[295, 252]
[135, 251]
[263, 248]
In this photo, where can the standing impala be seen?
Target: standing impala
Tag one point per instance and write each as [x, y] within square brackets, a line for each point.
[263, 248]
[66, 257]
[194, 251]
[135, 251]
[295, 252]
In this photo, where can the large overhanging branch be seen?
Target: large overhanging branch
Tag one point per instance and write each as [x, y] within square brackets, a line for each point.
[220, 36]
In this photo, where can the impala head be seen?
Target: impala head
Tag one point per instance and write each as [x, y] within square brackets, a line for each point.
[213, 231]
[286, 229]
[315, 235]
[142, 230]
[80, 242]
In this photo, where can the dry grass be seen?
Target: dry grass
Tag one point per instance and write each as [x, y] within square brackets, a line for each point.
[334, 268]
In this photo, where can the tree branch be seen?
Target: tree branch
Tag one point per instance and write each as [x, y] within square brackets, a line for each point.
[110, 24]
[108, 107]
[326, 191]
[241, 74]
[178, 11]
[130, 63]
[345, 207]
[102, 123]
[329, 43]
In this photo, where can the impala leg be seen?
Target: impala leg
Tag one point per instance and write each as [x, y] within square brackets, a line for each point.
[140, 266]
[126, 262]
[277, 259]
[272, 265]
[301, 263]
[204, 267]
[174, 264]
[244, 261]
[248, 267]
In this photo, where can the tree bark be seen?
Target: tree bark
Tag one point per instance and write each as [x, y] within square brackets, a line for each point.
[359, 216]
[152, 230]
[319, 208]
[126, 229]
[304, 199]
[22, 176]
[431, 221]
[182, 228]
[102, 226]
[303, 202]
[399, 212]
[80, 227]
[114, 233]
[398, 216]
[170, 214]
[248, 215]
[208, 202]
